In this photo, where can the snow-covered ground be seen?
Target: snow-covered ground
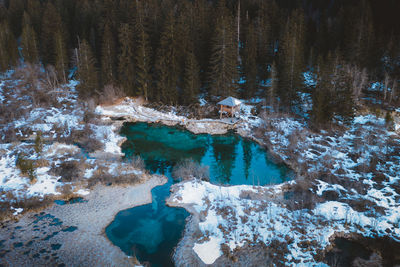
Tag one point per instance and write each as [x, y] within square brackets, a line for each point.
[130, 108]
[361, 163]
[52, 122]
[133, 110]
[59, 120]
[344, 157]
[232, 219]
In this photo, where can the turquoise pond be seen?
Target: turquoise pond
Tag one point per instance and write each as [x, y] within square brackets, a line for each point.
[152, 231]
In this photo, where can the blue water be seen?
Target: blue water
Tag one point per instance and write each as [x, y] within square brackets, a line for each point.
[151, 232]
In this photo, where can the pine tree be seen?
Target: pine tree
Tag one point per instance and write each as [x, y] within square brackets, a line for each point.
[35, 11]
[274, 86]
[108, 57]
[8, 47]
[223, 74]
[249, 62]
[202, 31]
[291, 60]
[360, 39]
[323, 104]
[15, 14]
[263, 36]
[110, 13]
[29, 42]
[332, 96]
[87, 71]
[166, 66]
[191, 79]
[142, 58]
[51, 23]
[126, 66]
[344, 101]
[185, 29]
[61, 63]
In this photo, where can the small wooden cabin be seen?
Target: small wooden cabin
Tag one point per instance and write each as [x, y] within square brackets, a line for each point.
[230, 105]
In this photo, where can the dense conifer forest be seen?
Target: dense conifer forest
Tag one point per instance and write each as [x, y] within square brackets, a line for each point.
[170, 51]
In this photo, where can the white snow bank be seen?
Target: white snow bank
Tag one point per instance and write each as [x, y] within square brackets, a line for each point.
[130, 108]
[208, 251]
[60, 149]
[232, 220]
[1, 92]
[89, 172]
[17, 210]
[111, 140]
[10, 175]
[46, 184]
[83, 192]
[309, 78]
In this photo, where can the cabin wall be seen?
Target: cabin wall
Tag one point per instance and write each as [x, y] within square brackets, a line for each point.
[229, 110]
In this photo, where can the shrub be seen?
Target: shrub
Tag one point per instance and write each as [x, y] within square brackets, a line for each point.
[138, 163]
[66, 190]
[68, 170]
[41, 163]
[389, 121]
[33, 203]
[38, 143]
[187, 169]
[27, 167]
[300, 196]
[85, 139]
[110, 94]
[105, 178]
[27, 204]
[8, 134]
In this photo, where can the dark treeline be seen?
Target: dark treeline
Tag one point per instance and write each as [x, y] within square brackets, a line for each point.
[172, 50]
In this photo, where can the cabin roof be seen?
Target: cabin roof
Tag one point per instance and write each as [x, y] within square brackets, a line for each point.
[230, 102]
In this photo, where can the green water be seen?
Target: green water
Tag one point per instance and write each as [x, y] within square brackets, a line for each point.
[152, 231]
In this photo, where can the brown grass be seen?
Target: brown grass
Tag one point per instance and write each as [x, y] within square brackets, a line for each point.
[111, 94]
[32, 204]
[101, 176]
[188, 169]
[70, 171]
[85, 139]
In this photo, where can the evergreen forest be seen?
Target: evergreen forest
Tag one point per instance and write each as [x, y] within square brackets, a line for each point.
[173, 51]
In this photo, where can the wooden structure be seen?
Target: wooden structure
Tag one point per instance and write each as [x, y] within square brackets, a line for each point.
[230, 105]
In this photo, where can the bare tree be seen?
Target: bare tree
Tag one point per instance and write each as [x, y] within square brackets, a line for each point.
[51, 77]
[393, 91]
[386, 86]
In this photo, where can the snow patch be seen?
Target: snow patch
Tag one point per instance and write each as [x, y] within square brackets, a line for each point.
[208, 251]
[111, 140]
[83, 192]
